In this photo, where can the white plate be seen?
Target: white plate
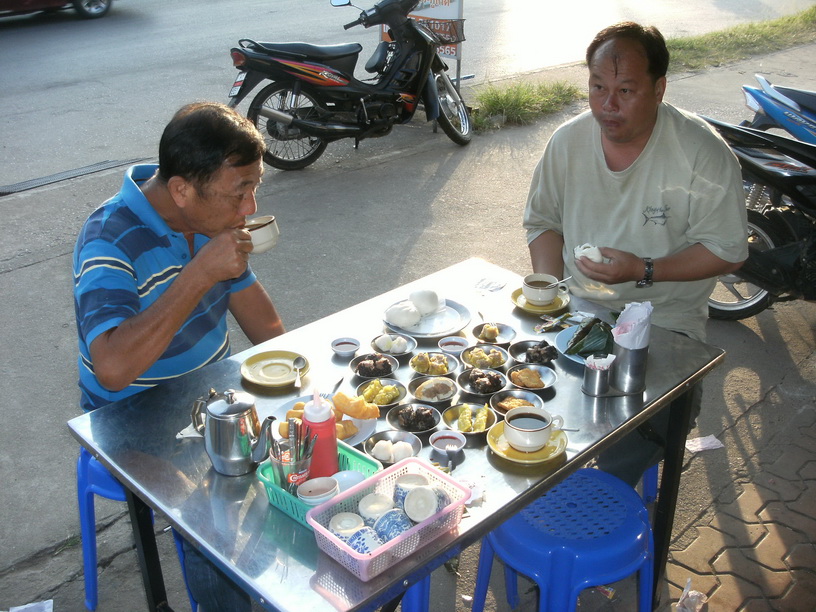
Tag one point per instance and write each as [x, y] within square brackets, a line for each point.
[451, 319]
[365, 427]
[562, 339]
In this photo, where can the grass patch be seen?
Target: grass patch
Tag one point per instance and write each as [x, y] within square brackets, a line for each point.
[741, 42]
[523, 103]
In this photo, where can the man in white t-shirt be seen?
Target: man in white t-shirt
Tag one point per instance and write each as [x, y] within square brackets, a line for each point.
[656, 189]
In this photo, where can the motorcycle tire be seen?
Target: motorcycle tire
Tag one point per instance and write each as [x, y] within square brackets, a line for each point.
[288, 148]
[454, 118]
[92, 9]
[734, 298]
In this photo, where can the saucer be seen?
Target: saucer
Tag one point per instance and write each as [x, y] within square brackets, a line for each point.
[499, 445]
[558, 305]
[272, 368]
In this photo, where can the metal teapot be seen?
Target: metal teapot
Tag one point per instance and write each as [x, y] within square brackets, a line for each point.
[234, 438]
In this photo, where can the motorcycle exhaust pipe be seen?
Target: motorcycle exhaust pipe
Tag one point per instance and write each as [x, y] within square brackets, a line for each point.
[315, 128]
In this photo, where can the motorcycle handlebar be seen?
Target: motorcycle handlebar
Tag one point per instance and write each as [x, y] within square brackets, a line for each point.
[352, 24]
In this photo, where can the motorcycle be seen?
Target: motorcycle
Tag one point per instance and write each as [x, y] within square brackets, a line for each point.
[786, 108]
[314, 98]
[779, 177]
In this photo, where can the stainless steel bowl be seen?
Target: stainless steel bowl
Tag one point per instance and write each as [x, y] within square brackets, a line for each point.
[403, 391]
[547, 374]
[416, 382]
[356, 361]
[393, 418]
[506, 333]
[392, 435]
[499, 397]
[474, 438]
[518, 350]
[451, 362]
[463, 380]
[466, 355]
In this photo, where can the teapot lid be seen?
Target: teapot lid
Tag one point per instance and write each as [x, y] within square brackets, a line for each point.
[230, 403]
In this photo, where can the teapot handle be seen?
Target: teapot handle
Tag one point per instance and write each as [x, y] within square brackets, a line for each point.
[199, 412]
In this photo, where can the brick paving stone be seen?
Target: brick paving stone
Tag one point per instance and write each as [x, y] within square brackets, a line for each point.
[802, 595]
[699, 555]
[749, 503]
[808, 471]
[784, 514]
[791, 461]
[746, 534]
[772, 550]
[677, 576]
[734, 561]
[731, 593]
[802, 556]
[806, 503]
[786, 490]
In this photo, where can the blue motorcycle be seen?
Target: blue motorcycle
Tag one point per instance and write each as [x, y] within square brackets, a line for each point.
[786, 108]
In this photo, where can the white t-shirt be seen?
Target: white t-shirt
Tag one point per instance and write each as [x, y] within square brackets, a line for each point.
[684, 188]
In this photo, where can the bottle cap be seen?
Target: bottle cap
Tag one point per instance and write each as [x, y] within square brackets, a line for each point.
[317, 410]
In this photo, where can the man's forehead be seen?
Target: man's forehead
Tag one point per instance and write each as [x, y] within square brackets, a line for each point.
[620, 52]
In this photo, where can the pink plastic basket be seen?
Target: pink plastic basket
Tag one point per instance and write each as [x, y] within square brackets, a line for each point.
[367, 566]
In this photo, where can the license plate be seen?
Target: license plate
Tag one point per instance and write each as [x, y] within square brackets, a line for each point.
[236, 86]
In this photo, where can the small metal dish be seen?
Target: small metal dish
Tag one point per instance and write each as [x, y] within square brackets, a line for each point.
[529, 396]
[467, 356]
[411, 345]
[474, 438]
[416, 382]
[547, 374]
[345, 347]
[403, 391]
[506, 333]
[393, 418]
[392, 435]
[518, 350]
[453, 345]
[391, 360]
[463, 380]
[450, 361]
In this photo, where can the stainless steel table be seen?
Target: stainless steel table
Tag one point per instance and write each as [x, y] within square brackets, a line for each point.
[276, 559]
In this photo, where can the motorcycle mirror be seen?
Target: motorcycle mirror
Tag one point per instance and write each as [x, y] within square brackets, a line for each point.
[340, 2]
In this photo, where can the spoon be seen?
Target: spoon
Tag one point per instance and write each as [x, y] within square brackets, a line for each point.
[298, 364]
[450, 451]
[563, 280]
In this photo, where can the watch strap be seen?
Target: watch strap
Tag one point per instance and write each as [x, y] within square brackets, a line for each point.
[646, 281]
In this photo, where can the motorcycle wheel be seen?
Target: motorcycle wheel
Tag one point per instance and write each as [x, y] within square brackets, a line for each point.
[92, 9]
[734, 298]
[453, 113]
[288, 148]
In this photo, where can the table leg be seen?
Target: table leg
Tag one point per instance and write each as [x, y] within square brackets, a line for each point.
[679, 417]
[141, 522]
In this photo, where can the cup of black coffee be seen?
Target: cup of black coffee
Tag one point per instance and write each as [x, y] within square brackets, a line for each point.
[528, 429]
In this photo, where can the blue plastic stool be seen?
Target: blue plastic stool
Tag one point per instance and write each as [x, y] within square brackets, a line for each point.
[589, 530]
[650, 484]
[94, 479]
[180, 550]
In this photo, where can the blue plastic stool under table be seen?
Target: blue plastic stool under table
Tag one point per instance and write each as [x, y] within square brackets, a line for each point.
[94, 479]
[589, 530]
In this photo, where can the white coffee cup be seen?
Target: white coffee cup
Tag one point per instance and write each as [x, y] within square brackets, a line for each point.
[532, 287]
[264, 231]
[529, 429]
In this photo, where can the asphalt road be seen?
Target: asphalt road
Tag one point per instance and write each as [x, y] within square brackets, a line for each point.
[76, 93]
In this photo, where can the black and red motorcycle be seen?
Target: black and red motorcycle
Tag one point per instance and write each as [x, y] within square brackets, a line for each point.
[779, 176]
[315, 99]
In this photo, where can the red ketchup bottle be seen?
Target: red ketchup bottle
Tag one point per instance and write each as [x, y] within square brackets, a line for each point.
[319, 417]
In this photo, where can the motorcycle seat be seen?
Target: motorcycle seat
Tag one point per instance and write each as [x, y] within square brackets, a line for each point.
[306, 50]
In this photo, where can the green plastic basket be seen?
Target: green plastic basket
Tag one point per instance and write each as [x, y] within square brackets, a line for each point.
[348, 458]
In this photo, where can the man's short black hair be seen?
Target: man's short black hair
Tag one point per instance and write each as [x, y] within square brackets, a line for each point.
[649, 38]
[202, 137]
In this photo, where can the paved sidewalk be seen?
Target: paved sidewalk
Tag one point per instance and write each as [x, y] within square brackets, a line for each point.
[745, 528]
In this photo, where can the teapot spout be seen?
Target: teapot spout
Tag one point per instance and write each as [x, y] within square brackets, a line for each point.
[260, 450]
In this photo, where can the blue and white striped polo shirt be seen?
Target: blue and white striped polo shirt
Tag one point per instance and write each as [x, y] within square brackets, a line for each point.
[126, 256]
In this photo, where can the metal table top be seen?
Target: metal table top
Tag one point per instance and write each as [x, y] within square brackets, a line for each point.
[276, 559]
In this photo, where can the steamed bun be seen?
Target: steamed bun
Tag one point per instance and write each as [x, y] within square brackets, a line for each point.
[426, 301]
[403, 314]
[589, 251]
